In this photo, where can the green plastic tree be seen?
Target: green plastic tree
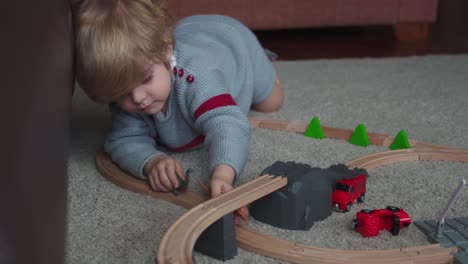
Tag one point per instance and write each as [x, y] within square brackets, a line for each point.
[314, 130]
[400, 141]
[360, 137]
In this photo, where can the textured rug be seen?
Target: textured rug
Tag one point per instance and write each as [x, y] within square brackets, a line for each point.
[425, 96]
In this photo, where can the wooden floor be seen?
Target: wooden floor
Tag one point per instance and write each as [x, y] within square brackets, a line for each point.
[449, 35]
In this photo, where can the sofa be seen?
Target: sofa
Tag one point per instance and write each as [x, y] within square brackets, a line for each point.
[409, 18]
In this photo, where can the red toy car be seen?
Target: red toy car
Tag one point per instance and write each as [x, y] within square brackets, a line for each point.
[369, 222]
[347, 191]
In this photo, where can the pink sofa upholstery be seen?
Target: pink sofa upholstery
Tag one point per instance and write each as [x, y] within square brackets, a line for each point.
[284, 14]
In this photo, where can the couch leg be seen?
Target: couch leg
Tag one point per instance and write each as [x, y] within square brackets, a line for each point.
[411, 31]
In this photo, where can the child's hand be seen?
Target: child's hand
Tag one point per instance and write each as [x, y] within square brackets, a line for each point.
[219, 186]
[221, 180]
[161, 171]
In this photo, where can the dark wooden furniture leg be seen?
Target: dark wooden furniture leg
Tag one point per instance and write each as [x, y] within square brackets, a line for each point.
[36, 78]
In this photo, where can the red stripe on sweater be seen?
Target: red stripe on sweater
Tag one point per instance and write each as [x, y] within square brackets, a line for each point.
[195, 142]
[213, 103]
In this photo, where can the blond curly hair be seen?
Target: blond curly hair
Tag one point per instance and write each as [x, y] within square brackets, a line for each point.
[116, 42]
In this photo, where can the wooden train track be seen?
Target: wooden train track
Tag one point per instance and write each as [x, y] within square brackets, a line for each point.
[337, 133]
[373, 161]
[297, 253]
[274, 247]
[177, 244]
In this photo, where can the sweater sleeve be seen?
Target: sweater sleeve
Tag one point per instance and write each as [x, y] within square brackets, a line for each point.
[130, 143]
[219, 118]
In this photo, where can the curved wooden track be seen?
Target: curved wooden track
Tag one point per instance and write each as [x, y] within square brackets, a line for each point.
[277, 248]
[177, 244]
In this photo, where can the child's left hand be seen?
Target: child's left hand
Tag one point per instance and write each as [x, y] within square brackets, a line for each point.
[221, 182]
[219, 186]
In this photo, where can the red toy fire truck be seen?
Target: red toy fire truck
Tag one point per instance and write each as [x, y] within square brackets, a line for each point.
[369, 222]
[347, 191]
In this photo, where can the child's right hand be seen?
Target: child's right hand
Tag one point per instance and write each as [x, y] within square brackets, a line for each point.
[161, 171]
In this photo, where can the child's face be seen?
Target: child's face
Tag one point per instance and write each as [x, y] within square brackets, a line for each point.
[151, 96]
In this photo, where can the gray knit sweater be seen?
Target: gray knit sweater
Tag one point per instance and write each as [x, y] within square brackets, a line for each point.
[220, 69]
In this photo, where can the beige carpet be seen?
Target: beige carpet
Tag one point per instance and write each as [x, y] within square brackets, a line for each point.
[426, 96]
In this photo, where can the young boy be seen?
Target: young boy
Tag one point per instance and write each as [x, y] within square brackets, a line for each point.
[180, 87]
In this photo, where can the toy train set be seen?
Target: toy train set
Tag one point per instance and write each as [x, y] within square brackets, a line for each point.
[290, 251]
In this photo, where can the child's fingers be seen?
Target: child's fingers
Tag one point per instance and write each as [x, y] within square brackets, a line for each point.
[225, 188]
[170, 173]
[219, 187]
[216, 190]
[167, 178]
[152, 184]
[159, 183]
